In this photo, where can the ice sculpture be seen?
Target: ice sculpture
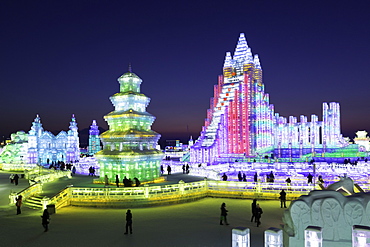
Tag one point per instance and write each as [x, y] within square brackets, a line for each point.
[94, 140]
[241, 122]
[42, 147]
[333, 212]
[129, 146]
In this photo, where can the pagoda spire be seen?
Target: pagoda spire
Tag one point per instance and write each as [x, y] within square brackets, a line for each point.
[129, 68]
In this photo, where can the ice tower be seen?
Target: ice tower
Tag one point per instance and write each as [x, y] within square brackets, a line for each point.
[241, 121]
[129, 146]
[94, 140]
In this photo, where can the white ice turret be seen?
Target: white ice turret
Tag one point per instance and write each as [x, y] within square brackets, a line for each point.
[248, 56]
[256, 62]
[241, 48]
[228, 60]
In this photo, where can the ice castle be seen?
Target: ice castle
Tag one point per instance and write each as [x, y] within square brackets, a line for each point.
[129, 146]
[241, 122]
[42, 147]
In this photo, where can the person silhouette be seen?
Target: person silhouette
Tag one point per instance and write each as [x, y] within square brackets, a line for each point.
[259, 213]
[282, 198]
[223, 214]
[45, 220]
[128, 221]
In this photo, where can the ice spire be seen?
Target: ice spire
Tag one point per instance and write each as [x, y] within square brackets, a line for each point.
[256, 62]
[37, 119]
[228, 60]
[249, 56]
[241, 48]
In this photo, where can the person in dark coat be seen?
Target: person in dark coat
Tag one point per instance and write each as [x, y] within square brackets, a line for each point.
[169, 169]
[309, 178]
[137, 182]
[255, 178]
[128, 221]
[272, 177]
[282, 198]
[223, 214]
[18, 204]
[240, 176]
[117, 181]
[45, 220]
[224, 177]
[16, 177]
[259, 213]
[254, 208]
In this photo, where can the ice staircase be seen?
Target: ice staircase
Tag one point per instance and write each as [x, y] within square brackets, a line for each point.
[34, 202]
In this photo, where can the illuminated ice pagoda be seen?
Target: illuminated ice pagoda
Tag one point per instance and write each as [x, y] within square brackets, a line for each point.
[129, 146]
[241, 122]
[94, 140]
[42, 147]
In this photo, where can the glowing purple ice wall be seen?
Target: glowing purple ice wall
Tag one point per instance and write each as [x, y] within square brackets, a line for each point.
[241, 121]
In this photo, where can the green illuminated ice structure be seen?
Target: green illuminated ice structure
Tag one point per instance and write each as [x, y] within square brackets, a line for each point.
[129, 146]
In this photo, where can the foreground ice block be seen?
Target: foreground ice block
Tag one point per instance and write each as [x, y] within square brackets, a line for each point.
[241, 237]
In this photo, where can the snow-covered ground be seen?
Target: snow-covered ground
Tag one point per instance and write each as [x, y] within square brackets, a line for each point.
[190, 224]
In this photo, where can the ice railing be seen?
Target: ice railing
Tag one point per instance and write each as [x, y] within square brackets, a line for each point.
[18, 167]
[42, 175]
[181, 191]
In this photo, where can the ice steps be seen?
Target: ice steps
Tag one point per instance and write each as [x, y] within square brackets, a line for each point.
[34, 202]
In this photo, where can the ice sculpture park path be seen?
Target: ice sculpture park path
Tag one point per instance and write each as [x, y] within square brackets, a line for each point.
[189, 224]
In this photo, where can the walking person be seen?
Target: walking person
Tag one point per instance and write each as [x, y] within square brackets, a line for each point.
[169, 169]
[45, 220]
[18, 204]
[282, 198]
[254, 210]
[259, 213]
[309, 178]
[11, 177]
[16, 177]
[128, 221]
[223, 214]
[117, 181]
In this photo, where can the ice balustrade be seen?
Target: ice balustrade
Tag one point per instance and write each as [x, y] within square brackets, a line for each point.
[27, 192]
[18, 167]
[180, 192]
[42, 175]
[209, 187]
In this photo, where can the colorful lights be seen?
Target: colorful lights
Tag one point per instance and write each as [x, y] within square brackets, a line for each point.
[42, 147]
[94, 140]
[241, 120]
[129, 146]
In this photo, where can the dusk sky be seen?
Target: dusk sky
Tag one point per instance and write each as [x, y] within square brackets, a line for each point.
[60, 58]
